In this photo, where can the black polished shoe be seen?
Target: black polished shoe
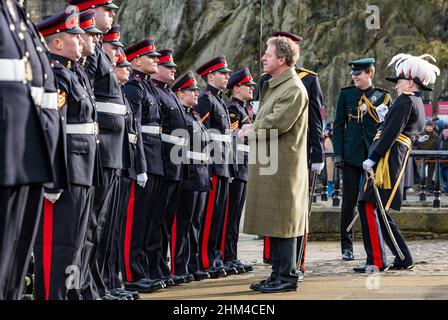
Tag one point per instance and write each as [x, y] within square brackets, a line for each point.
[277, 286]
[121, 294]
[135, 295]
[177, 279]
[201, 275]
[368, 268]
[168, 282]
[235, 264]
[347, 255]
[188, 277]
[230, 270]
[247, 267]
[111, 297]
[143, 286]
[401, 265]
[216, 273]
[256, 285]
[301, 275]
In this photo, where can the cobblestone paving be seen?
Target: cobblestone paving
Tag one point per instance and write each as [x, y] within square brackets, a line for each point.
[328, 277]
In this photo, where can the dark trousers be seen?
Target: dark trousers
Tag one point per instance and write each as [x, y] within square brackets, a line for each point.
[115, 262]
[236, 199]
[172, 191]
[213, 222]
[137, 228]
[351, 179]
[19, 216]
[302, 241]
[284, 259]
[374, 232]
[60, 239]
[185, 232]
[105, 202]
[156, 267]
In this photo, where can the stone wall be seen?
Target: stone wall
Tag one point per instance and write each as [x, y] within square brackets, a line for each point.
[334, 32]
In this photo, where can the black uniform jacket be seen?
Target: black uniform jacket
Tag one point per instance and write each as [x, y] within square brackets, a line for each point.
[214, 116]
[140, 94]
[391, 147]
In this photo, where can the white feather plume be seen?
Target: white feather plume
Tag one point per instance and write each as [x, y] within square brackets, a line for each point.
[415, 67]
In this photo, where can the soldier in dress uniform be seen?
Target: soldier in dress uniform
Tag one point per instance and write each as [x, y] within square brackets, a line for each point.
[63, 226]
[31, 140]
[113, 145]
[112, 44]
[173, 118]
[314, 140]
[128, 180]
[354, 127]
[241, 88]
[141, 220]
[388, 156]
[194, 190]
[215, 117]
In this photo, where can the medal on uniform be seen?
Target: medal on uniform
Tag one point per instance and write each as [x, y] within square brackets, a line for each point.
[363, 107]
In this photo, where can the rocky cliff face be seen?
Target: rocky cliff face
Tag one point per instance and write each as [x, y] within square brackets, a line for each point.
[334, 32]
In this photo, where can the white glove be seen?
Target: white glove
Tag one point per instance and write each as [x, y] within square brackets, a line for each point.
[368, 165]
[317, 167]
[52, 197]
[231, 179]
[381, 111]
[141, 179]
[242, 133]
[423, 138]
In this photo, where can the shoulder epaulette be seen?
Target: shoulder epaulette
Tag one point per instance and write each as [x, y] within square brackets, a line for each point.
[57, 65]
[308, 71]
[349, 87]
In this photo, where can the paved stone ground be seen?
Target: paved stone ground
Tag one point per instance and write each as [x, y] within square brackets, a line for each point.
[328, 277]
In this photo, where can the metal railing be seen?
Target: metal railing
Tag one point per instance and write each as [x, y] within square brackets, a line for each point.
[422, 158]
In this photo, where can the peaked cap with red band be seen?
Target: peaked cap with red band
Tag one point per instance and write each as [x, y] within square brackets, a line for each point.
[145, 47]
[185, 81]
[87, 22]
[289, 35]
[216, 64]
[122, 61]
[90, 4]
[61, 22]
[166, 58]
[242, 77]
[113, 36]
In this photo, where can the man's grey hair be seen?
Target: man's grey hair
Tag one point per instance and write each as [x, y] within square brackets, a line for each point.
[285, 48]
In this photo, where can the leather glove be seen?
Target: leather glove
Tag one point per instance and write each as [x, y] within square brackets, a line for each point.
[141, 179]
[317, 167]
[368, 165]
[52, 197]
[423, 138]
[339, 162]
[381, 111]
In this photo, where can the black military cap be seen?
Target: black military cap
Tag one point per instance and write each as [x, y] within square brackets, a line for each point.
[216, 64]
[89, 4]
[113, 36]
[87, 22]
[61, 22]
[122, 61]
[242, 77]
[185, 81]
[360, 65]
[145, 47]
[289, 35]
[166, 58]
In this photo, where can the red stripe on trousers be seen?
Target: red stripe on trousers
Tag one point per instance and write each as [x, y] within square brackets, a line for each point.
[373, 232]
[173, 245]
[208, 222]
[224, 230]
[267, 248]
[128, 233]
[47, 246]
